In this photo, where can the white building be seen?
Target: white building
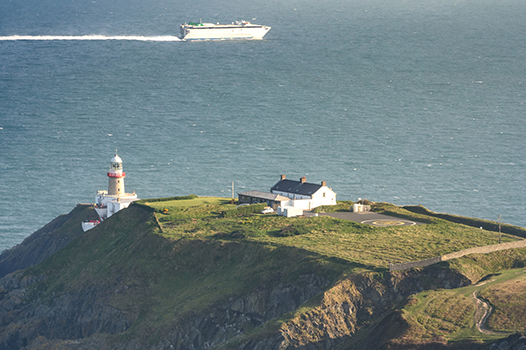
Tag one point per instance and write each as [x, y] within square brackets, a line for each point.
[303, 194]
[115, 198]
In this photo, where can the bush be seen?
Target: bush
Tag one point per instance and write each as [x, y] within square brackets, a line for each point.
[340, 206]
[293, 230]
[244, 210]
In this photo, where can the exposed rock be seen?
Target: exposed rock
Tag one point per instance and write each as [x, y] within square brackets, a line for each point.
[350, 305]
[513, 342]
[72, 315]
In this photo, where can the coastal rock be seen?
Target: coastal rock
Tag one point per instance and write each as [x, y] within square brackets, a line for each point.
[513, 342]
[351, 304]
[73, 315]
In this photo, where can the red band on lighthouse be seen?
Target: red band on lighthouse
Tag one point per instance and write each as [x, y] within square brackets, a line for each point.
[123, 174]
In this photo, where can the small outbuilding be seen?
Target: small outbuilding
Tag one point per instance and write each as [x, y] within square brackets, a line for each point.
[273, 200]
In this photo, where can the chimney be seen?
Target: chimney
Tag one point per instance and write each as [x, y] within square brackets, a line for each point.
[324, 183]
[303, 180]
[283, 177]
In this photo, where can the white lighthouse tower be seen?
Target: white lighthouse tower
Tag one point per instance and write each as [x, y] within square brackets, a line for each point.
[116, 177]
[115, 198]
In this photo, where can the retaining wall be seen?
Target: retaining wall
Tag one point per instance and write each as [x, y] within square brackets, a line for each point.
[456, 255]
[411, 264]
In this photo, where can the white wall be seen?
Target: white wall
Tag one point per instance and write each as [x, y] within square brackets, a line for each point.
[306, 202]
[318, 198]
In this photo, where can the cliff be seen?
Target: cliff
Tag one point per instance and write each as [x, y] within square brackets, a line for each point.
[203, 282]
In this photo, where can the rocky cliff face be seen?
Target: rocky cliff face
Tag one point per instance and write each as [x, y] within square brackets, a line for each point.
[513, 342]
[350, 305]
[77, 319]
[241, 314]
[77, 315]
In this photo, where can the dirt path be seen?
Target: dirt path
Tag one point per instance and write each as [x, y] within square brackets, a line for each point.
[484, 309]
[482, 314]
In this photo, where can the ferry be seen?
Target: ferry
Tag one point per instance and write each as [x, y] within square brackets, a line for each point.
[237, 30]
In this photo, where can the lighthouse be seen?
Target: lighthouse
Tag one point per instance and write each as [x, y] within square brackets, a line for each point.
[116, 177]
[115, 198]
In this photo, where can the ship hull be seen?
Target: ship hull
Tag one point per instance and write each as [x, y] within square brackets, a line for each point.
[223, 32]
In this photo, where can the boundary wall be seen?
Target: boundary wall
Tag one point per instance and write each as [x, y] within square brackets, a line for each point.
[455, 255]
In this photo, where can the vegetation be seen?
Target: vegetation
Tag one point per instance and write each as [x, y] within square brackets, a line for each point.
[166, 199]
[474, 222]
[339, 207]
[508, 299]
[363, 245]
[477, 266]
[244, 210]
[191, 253]
[451, 315]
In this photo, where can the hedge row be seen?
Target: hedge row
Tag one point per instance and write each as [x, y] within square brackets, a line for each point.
[165, 199]
[244, 210]
[485, 224]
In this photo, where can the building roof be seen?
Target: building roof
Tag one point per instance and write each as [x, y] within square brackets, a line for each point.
[265, 195]
[296, 187]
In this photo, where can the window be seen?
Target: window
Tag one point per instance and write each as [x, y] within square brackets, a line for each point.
[323, 194]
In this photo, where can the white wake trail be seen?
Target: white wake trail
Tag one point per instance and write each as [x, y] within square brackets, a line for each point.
[89, 37]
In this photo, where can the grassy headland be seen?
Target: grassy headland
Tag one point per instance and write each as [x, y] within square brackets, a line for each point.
[363, 245]
[161, 261]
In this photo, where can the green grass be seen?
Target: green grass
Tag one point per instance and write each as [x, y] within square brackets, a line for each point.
[367, 246]
[186, 203]
[156, 281]
[202, 258]
[449, 315]
[507, 294]
[476, 266]
[474, 222]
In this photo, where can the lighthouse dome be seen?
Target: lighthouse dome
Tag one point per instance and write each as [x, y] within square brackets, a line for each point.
[116, 159]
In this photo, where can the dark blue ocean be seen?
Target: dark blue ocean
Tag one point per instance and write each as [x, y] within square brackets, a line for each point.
[409, 102]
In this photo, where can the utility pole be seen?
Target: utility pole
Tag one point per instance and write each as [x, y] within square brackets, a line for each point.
[499, 231]
[232, 190]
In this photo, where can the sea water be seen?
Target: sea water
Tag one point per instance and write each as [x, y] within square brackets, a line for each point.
[409, 102]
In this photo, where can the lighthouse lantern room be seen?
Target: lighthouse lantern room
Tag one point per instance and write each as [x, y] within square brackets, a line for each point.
[115, 198]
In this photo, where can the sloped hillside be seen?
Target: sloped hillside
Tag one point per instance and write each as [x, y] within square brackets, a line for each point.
[200, 273]
[46, 241]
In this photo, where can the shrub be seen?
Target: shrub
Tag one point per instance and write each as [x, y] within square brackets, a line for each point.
[244, 210]
[340, 206]
[293, 230]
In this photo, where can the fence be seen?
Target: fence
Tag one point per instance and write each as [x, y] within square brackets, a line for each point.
[456, 255]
